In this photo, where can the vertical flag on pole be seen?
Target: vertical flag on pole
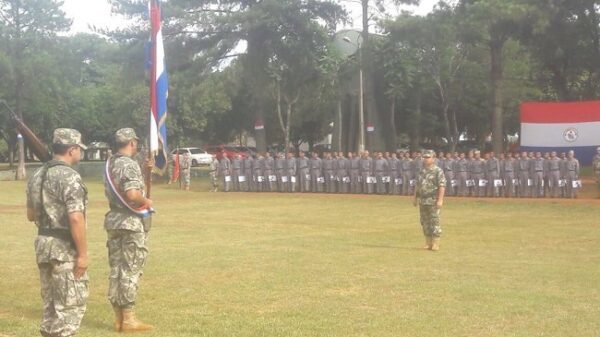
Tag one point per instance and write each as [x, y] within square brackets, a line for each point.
[158, 89]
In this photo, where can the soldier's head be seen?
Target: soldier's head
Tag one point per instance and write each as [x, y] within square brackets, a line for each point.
[531, 155]
[598, 150]
[538, 155]
[301, 154]
[470, 154]
[440, 154]
[553, 154]
[386, 154]
[126, 141]
[502, 156]
[571, 154]
[486, 156]
[379, 155]
[428, 157]
[477, 154]
[546, 155]
[523, 154]
[461, 155]
[350, 155]
[394, 155]
[366, 153]
[449, 155]
[67, 145]
[290, 155]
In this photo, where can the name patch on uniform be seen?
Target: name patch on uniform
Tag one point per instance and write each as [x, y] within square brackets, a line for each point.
[576, 183]
[242, 179]
[227, 179]
[498, 183]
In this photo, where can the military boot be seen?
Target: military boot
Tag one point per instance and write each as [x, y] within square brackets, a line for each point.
[435, 244]
[118, 318]
[131, 324]
[428, 242]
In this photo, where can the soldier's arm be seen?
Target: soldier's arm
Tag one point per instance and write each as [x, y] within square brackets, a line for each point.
[78, 233]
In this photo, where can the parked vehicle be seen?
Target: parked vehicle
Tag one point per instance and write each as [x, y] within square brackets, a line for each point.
[198, 156]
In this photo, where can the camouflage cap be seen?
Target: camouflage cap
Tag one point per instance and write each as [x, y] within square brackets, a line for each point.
[428, 154]
[125, 135]
[66, 136]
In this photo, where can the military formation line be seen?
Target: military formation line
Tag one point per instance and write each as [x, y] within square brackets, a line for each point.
[470, 174]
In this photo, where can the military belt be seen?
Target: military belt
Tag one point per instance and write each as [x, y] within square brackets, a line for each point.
[58, 233]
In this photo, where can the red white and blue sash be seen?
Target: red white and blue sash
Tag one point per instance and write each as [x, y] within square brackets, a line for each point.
[142, 212]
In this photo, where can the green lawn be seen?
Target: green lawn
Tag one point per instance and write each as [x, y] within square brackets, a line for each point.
[328, 265]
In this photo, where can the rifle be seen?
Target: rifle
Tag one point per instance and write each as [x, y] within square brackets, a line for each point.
[33, 142]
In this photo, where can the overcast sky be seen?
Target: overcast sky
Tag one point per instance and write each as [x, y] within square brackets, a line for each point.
[97, 13]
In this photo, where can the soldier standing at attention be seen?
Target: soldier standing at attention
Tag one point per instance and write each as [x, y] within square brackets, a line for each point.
[448, 167]
[523, 172]
[381, 167]
[267, 167]
[537, 174]
[213, 167]
[572, 175]
[492, 170]
[250, 183]
[236, 171]
[185, 169]
[302, 163]
[415, 166]
[328, 173]
[343, 165]
[596, 167]
[429, 196]
[258, 175]
[394, 167]
[225, 171]
[365, 173]
[56, 202]
[461, 174]
[126, 230]
[354, 163]
[290, 172]
[315, 173]
[477, 169]
[553, 173]
[407, 176]
[507, 174]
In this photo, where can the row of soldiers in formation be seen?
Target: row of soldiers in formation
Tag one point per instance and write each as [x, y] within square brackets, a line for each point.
[468, 174]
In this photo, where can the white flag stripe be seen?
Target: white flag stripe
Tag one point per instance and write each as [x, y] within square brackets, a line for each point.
[560, 135]
[153, 135]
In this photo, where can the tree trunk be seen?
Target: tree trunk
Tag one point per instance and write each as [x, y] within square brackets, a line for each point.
[18, 56]
[455, 133]
[257, 81]
[415, 140]
[392, 126]
[496, 46]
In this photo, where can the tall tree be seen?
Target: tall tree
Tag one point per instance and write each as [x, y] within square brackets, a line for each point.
[25, 25]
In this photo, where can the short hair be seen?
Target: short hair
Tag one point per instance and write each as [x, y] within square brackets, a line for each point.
[61, 149]
[122, 144]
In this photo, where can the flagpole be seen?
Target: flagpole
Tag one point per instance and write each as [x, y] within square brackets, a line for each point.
[148, 168]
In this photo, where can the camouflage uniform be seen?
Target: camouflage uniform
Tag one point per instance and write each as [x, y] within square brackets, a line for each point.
[127, 235]
[63, 192]
[185, 166]
[213, 167]
[428, 183]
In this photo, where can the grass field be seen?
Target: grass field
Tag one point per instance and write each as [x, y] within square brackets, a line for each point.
[329, 265]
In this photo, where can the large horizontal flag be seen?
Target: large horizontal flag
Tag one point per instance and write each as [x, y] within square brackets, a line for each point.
[561, 127]
[158, 89]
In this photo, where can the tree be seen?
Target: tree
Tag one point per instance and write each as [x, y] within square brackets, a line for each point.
[25, 24]
[497, 21]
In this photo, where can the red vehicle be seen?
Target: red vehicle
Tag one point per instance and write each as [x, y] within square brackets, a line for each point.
[229, 151]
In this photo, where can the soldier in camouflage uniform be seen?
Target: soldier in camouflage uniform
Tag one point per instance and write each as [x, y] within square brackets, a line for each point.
[212, 171]
[127, 231]
[429, 195]
[596, 167]
[56, 202]
[185, 167]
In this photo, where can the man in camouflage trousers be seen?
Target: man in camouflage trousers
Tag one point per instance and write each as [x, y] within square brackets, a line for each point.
[185, 167]
[429, 195]
[127, 231]
[56, 202]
